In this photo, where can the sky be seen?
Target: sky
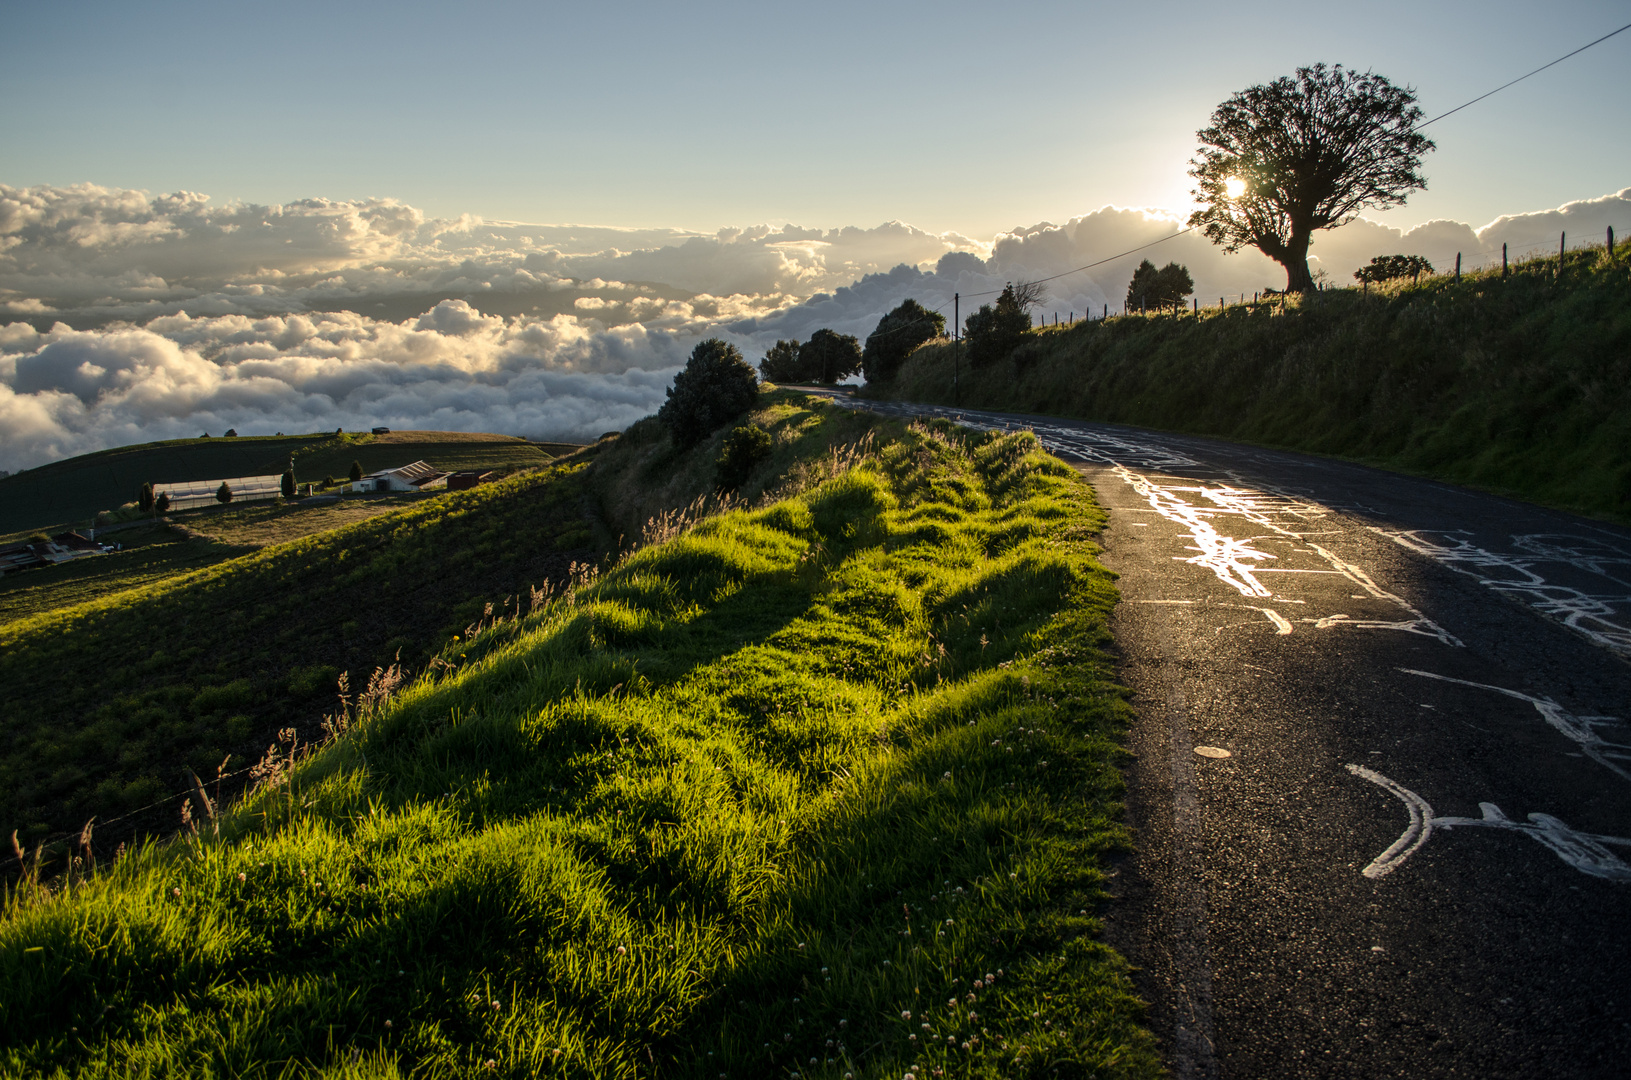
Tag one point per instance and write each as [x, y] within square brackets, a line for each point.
[521, 218]
[972, 117]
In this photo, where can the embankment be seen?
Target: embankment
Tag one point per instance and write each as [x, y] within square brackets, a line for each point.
[1518, 384]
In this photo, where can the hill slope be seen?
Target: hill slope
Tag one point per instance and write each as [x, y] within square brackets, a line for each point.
[1521, 385]
[821, 788]
[78, 488]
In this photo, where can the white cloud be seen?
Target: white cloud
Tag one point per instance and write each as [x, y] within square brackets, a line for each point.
[321, 314]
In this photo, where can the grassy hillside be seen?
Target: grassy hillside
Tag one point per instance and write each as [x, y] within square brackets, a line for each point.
[819, 789]
[110, 700]
[1521, 386]
[76, 489]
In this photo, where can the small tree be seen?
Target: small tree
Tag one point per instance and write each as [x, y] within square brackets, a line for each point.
[994, 332]
[829, 356]
[356, 471]
[744, 448]
[1389, 267]
[894, 338]
[781, 363]
[288, 484]
[715, 386]
[329, 481]
[144, 498]
[223, 494]
[162, 503]
[232, 433]
[1281, 161]
[1163, 288]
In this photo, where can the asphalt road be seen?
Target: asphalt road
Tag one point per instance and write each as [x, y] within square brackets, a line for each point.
[1382, 777]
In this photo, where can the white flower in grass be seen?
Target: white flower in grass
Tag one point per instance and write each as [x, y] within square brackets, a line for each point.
[243, 877]
[176, 891]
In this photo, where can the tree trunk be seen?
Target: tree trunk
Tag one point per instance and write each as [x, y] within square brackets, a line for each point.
[1295, 260]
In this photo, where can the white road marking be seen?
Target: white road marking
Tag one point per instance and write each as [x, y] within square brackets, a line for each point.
[1597, 617]
[1586, 852]
[1582, 730]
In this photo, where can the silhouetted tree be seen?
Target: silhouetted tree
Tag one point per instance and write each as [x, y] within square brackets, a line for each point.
[1281, 161]
[223, 494]
[1389, 267]
[162, 503]
[356, 471]
[781, 363]
[144, 498]
[288, 486]
[994, 332]
[715, 386]
[829, 356]
[1163, 288]
[896, 335]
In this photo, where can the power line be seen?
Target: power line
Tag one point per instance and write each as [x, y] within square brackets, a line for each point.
[1520, 78]
[1091, 265]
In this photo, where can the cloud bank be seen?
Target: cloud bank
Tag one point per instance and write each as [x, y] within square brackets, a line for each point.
[142, 317]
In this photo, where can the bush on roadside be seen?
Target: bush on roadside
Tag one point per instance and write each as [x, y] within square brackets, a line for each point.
[744, 448]
[715, 387]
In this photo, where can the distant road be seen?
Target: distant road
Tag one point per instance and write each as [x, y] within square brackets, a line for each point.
[1382, 788]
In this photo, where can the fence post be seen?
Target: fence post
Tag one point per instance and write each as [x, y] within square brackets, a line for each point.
[1503, 260]
[956, 347]
[1611, 243]
[1197, 300]
[1458, 266]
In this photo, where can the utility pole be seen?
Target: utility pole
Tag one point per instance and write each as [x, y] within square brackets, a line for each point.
[956, 347]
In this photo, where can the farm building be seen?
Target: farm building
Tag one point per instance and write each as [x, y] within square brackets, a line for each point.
[58, 549]
[464, 481]
[190, 493]
[416, 477]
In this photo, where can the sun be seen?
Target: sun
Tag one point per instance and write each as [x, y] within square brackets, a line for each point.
[1235, 186]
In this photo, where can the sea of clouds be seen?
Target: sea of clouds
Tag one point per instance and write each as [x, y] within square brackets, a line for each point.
[127, 317]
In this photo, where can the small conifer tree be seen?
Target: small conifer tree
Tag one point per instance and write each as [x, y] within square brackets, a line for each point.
[356, 471]
[223, 494]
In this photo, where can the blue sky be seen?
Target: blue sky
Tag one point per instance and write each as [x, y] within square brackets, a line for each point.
[950, 116]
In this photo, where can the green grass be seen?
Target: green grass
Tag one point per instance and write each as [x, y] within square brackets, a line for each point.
[771, 798]
[78, 488]
[1520, 386]
[110, 700]
[151, 556]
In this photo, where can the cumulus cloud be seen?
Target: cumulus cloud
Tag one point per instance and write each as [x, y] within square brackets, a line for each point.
[145, 317]
[65, 391]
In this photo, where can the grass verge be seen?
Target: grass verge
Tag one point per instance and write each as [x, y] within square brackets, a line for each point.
[1519, 385]
[818, 789]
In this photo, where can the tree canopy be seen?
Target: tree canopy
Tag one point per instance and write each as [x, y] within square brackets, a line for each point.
[1388, 267]
[830, 356]
[1163, 288]
[715, 386]
[994, 332]
[896, 335]
[1280, 161]
[781, 363]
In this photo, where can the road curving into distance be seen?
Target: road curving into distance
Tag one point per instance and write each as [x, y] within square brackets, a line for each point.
[1382, 776]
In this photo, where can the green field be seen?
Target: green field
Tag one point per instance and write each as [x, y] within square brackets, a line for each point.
[77, 489]
[1519, 385]
[820, 788]
[190, 668]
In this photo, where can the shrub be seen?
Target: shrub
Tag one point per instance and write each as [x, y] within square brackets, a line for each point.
[829, 356]
[744, 448]
[162, 503]
[144, 498]
[896, 335]
[716, 386]
[287, 486]
[1163, 288]
[781, 363]
[223, 494]
[1390, 267]
[356, 471]
[993, 333]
